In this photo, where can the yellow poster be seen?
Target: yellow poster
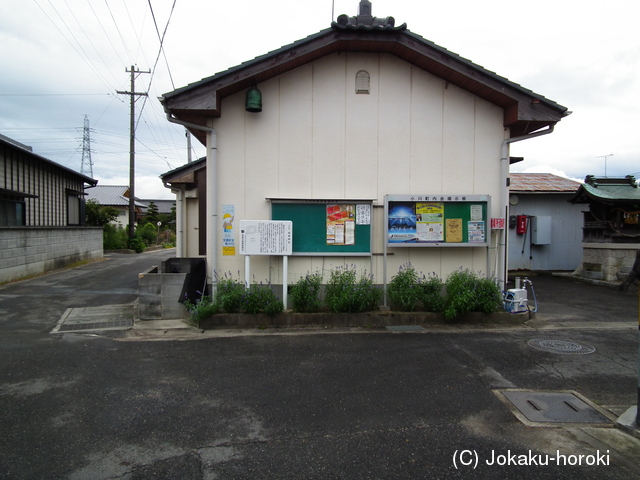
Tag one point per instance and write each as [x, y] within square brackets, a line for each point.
[454, 230]
[228, 251]
[432, 209]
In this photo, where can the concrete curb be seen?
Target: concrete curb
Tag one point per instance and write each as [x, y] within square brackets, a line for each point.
[366, 319]
[627, 422]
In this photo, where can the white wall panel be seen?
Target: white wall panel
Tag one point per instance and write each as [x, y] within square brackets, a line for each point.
[328, 170]
[426, 132]
[317, 138]
[361, 134]
[295, 136]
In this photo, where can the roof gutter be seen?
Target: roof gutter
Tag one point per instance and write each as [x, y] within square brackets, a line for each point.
[212, 193]
[504, 199]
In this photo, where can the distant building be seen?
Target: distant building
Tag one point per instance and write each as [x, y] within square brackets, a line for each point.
[165, 207]
[188, 183]
[116, 196]
[542, 200]
[611, 226]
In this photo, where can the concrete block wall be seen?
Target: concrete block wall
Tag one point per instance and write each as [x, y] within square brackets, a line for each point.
[28, 251]
[606, 261]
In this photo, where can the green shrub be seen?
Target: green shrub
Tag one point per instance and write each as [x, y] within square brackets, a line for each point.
[305, 294]
[203, 308]
[432, 294]
[137, 244]
[346, 294]
[230, 294]
[114, 237]
[148, 233]
[260, 298]
[404, 289]
[466, 292]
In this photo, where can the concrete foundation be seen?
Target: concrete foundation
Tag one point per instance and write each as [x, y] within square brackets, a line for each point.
[160, 289]
[607, 261]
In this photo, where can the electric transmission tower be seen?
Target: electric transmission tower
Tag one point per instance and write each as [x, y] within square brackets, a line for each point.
[87, 164]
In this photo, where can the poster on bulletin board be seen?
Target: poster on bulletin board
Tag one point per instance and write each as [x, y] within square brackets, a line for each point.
[436, 220]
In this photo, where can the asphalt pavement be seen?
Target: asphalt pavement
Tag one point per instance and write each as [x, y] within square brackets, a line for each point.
[157, 402]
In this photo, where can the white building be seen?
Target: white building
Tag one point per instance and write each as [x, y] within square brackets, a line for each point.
[351, 114]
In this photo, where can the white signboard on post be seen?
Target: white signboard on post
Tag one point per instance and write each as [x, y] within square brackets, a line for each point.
[266, 237]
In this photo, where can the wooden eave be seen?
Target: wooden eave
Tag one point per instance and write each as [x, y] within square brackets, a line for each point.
[184, 175]
[524, 110]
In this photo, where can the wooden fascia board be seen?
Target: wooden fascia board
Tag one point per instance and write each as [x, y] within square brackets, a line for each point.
[205, 100]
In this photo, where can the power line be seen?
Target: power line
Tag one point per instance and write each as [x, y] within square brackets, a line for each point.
[83, 55]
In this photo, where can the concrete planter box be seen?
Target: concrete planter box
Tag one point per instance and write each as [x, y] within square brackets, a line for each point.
[160, 289]
[366, 319]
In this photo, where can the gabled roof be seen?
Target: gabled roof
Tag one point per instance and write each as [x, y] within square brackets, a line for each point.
[608, 190]
[524, 110]
[29, 151]
[541, 183]
[111, 195]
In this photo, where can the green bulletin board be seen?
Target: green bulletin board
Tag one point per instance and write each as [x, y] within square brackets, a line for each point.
[319, 226]
[437, 220]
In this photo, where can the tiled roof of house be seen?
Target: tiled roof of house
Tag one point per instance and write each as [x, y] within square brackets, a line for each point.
[541, 183]
[164, 206]
[111, 195]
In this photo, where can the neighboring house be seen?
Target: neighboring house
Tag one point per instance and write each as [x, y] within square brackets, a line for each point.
[346, 131]
[190, 186]
[41, 214]
[538, 201]
[611, 226]
[164, 207]
[116, 196]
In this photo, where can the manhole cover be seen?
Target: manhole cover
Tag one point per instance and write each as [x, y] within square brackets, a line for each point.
[405, 328]
[554, 407]
[555, 345]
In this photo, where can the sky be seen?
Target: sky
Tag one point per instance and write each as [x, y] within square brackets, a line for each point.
[62, 60]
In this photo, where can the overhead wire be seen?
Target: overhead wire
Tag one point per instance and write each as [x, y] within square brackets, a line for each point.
[160, 50]
[88, 38]
[105, 32]
[80, 52]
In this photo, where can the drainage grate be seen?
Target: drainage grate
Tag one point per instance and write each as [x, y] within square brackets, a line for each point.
[405, 328]
[554, 345]
[554, 407]
[79, 327]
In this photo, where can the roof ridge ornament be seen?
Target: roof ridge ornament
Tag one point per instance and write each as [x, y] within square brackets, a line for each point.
[366, 21]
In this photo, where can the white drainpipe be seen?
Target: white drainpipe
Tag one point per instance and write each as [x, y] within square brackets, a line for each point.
[212, 195]
[504, 201]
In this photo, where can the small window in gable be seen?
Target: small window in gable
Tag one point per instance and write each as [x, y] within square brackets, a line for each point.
[363, 81]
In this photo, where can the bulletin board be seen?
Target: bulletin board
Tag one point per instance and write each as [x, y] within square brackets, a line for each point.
[327, 227]
[437, 220]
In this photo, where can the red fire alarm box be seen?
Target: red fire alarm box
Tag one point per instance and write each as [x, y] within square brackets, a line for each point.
[521, 224]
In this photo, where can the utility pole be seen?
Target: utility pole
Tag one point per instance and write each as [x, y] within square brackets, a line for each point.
[132, 146]
[86, 167]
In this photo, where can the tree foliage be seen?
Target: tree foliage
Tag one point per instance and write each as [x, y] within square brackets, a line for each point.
[99, 215]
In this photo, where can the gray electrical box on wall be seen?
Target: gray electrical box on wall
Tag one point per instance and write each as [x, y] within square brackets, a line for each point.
[541, 230]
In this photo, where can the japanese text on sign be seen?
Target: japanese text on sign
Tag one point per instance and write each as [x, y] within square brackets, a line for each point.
[266, 237]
